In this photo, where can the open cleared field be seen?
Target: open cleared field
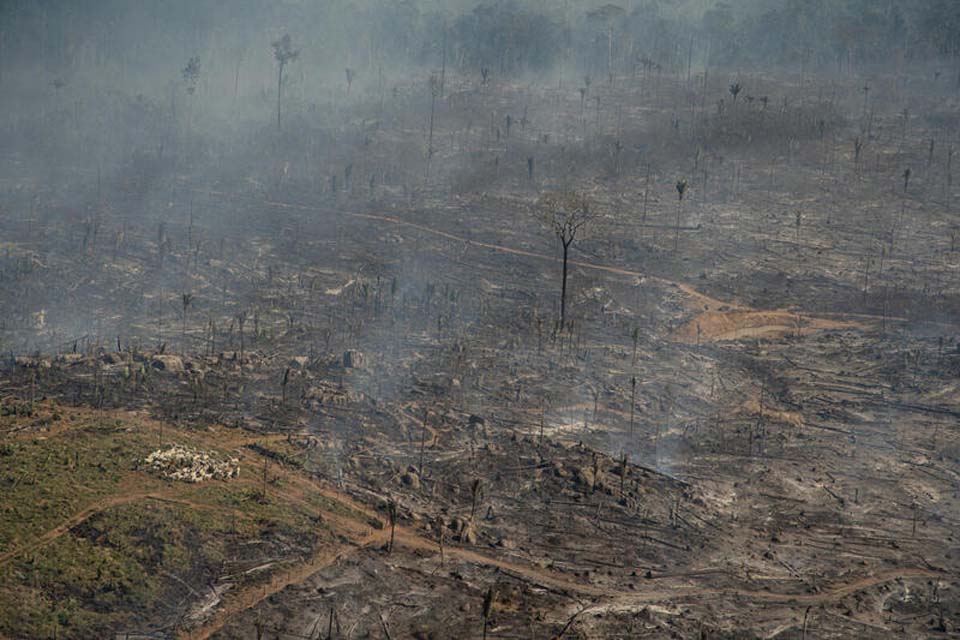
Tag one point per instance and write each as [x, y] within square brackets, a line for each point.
[338, 376]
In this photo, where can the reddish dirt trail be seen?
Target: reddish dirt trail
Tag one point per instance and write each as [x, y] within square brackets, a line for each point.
[697, 300]
[623, 599]
[701, 298]
[296, 489]
[241, 601]
[825, 596]
[77, 518]
[411, 540]
[616, 597]
[715, 325]
[250, 597]
[173, 494]
[299, 486]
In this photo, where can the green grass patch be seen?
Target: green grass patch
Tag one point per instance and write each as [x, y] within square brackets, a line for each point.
[136, 565]
[44, 480]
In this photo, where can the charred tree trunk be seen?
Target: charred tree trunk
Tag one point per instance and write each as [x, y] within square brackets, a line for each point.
[279, 91]
[563, 286]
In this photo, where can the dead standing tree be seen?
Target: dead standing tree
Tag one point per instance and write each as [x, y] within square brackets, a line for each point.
[191, 76]
[284, 53]
[567, 214]
[735, 90]
[434, 84]
[489, 600]
[607, 18]
[393, 514]
[903, 201]
[476, 489]
[186, 299]
[681, 189]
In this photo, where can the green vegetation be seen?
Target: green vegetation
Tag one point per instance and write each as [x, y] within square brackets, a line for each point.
[92, 544]
[44, 480]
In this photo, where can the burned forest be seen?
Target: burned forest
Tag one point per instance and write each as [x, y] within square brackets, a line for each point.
[346, 319]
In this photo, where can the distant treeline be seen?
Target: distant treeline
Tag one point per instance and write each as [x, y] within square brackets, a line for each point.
[506, 37]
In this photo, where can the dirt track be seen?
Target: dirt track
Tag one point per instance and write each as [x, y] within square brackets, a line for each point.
[734, 322]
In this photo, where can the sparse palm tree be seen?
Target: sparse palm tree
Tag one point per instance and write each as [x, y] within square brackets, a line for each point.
[434, 85]
[681, 189]
[735, 90]
[903, 201]
[475, 488]
[241, 320]
[284, 53]
[283, 385]
[191, 76]
[440, 525]
[949, 182]
[186, 299]
[393, 515]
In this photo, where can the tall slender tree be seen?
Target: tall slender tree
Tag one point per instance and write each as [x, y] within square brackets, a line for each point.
[434, 85]
[681, 189]
[191, 76]
[284, 53]
[568, 214]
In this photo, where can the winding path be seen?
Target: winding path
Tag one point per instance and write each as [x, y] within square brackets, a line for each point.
[702, 303]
